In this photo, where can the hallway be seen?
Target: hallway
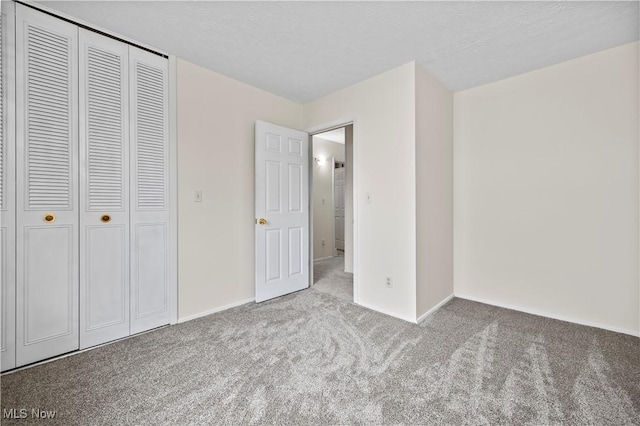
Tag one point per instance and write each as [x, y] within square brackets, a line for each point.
[329, 277]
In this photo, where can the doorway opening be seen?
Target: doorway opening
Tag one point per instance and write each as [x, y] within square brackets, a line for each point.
[332, 211]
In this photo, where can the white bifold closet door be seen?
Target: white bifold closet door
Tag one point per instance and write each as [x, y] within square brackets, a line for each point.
[148, 82]
[91, 204]
[104, 189]
[7, 191]
[47, 186]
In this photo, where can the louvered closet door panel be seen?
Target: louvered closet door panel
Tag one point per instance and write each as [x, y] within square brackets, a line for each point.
[7, 191]
[104, 189]
[150, 195]
[47, 182]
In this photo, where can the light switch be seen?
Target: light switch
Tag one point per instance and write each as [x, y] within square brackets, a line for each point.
[368, 197]
[198, 196]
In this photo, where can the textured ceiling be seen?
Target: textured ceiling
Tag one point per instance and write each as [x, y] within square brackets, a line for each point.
[304, 50]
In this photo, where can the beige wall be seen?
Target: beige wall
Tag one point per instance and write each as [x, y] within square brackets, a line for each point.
[434, 192]
[546, 191]
[216, 118]
[545, 188]
[323, 212]
[383, 108]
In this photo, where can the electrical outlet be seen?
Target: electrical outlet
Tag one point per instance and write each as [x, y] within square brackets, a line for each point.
[198, 197]
[388, 282]
[323, 242]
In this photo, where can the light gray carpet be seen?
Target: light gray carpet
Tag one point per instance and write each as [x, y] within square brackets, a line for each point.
[329, 277]
[313, 358]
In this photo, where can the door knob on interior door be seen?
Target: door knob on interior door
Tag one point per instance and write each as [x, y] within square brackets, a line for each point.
[262, 221]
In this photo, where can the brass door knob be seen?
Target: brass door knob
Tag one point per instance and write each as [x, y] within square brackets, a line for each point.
[105, 218]
[49, 217]
[262, 221]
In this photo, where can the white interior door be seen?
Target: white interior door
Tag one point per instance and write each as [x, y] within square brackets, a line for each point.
[339, 182]
[282, 210]
[104, 189]
[7, 192]
[149, 120]
[47, 182]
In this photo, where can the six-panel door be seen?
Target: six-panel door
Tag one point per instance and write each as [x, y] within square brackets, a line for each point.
[282, 200]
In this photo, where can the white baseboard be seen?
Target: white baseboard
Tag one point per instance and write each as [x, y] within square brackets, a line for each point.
[548, 315]
[384, 311]
[214, 310]
[435, 308]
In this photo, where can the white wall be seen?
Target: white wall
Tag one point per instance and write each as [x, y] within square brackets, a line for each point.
[216, 118]
[323, 212]
[546, 191]
[383, 108]
[434, 191]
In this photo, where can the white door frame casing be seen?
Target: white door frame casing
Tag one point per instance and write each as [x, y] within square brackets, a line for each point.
[314, 130]
[334, 251]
